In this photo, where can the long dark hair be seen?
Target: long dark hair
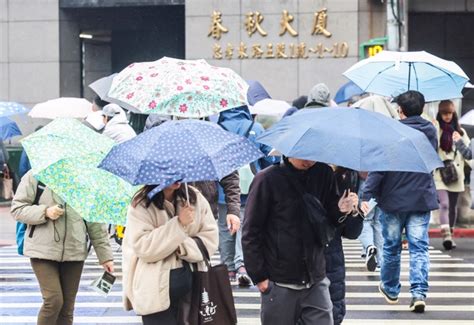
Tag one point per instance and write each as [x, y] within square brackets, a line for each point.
[445, 106]
[159, 199]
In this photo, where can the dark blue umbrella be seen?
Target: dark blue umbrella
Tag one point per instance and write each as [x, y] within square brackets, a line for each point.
[183, 150]
[8, 128]
[352, 138]
[12, 108]
[346, 91]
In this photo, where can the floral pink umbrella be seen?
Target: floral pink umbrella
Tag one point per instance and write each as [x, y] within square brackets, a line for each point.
[183, 88]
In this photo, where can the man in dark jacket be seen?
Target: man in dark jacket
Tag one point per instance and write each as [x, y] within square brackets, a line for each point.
[406, 200]
[280, 250]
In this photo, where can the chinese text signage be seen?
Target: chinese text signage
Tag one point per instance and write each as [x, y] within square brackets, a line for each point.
[254, 24]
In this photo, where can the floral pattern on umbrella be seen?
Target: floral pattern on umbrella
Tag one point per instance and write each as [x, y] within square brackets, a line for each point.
[185, 88]
[64, 155]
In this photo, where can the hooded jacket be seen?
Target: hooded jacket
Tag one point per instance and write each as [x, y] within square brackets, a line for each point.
[398, 192]
[118, 128]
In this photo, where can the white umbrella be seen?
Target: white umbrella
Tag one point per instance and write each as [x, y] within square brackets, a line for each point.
[270, 107]
[62, 107]
[392, 73]
[468, 118]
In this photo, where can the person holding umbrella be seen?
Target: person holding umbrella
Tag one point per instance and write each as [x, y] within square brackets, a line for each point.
[55, 242]
[449, 189]
[158, 243]
[406, 200]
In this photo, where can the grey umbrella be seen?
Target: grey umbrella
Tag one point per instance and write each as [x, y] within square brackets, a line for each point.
[101, 87]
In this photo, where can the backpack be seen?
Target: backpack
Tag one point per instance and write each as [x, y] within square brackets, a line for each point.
[21, 227]
[247, 172]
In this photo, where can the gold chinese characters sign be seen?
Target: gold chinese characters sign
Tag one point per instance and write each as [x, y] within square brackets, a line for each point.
[253, 24]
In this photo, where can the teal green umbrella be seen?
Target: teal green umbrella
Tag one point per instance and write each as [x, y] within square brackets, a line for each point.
[64, 155]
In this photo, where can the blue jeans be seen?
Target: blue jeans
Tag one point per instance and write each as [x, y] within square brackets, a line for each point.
[416, 228]
[230, 247]
[371, 234]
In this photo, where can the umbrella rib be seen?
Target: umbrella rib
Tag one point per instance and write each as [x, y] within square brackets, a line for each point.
[442, 70]
[378, 74]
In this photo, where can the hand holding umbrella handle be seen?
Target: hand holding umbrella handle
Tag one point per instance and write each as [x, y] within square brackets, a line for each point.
[54, 212]
[186, 215]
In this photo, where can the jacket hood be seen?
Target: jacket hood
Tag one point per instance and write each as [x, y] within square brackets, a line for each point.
[236, 120]
[422, 125]
[256, 92]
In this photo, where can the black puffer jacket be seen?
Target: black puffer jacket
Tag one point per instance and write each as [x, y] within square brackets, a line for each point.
[335, 264]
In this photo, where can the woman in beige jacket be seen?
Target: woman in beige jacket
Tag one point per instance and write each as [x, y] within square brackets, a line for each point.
[157, 240]
[56, 243]
[448, 193]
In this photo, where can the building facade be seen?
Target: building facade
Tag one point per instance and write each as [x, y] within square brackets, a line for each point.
[52, 48]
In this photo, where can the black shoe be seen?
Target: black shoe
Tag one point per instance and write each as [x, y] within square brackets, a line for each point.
[370, 261]
[243, 278]
[390, 300]
[417, 305]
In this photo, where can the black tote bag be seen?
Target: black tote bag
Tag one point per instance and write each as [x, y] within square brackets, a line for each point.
[211, 301]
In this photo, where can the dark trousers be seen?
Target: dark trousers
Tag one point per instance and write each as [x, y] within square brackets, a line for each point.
[283, 306]
[166, 317]
[59, 282]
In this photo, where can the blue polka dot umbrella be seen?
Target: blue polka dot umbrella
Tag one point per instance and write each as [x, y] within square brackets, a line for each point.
[183, 150]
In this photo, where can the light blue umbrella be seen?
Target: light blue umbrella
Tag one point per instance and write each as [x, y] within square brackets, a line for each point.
[12, 108]
[183, 150]
[346, 91]
[8, 128]
[392, 73]
[352, 138]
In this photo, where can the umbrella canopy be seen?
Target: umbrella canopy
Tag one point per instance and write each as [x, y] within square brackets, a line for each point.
[102, 86]
[185, 88]
[8, 128]
[352, 138]
[468, 118]
[183, 150]
[392, 73]
[12, 108]
[62, 107]
[271, 107]
[378, 104]
[346, 91]
[64, 155]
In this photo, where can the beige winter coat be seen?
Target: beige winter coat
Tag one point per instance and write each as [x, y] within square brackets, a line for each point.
[154, 244]
[61, 240]
[458, 163]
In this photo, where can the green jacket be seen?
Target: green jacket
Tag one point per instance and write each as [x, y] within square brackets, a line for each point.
[62, 240]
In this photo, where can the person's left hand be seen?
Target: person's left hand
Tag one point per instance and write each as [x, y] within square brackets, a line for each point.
[233, 223]
[456, 136]
[348, 202]
[109, 266]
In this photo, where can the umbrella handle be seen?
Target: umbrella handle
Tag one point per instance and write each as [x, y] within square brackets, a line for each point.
[187, 192]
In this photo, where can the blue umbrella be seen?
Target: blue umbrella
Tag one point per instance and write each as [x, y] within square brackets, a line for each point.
[392, 73]
[346, 91]
[12, 108]
[352, 138]
[183, 150]
[8, 128]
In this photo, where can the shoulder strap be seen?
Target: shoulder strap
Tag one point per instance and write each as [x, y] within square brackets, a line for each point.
[204, 251]
[246, 134]
[39, 191]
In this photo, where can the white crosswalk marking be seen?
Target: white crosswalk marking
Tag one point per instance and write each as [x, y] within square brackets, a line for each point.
[451, 293]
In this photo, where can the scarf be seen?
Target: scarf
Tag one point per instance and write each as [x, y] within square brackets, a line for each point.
[447, 130]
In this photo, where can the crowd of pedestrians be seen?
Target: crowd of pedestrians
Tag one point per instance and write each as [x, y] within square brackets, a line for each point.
[257, 218]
